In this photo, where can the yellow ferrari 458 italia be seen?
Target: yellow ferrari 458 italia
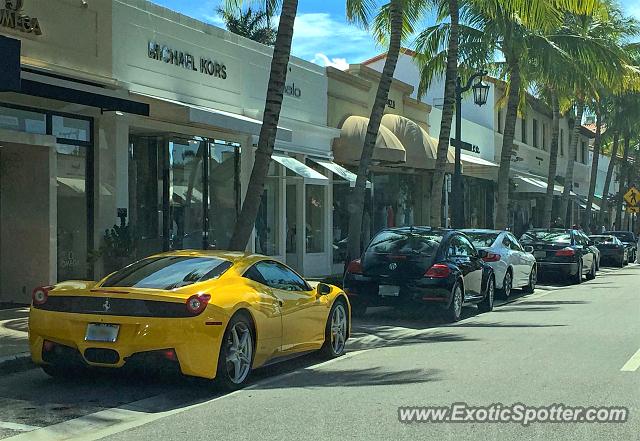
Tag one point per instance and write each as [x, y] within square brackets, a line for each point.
[211, 314]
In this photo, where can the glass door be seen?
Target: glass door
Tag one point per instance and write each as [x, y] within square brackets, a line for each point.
[185, 229]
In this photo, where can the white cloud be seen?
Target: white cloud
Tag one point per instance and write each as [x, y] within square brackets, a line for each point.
[322, 39]
[324, 61]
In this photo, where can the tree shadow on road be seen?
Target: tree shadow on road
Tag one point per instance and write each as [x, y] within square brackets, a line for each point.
[373, 376]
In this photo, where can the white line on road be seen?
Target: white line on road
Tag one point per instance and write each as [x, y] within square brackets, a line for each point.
[633, 364]
[16, 427]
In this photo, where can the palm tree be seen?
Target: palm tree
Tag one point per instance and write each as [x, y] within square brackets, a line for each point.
[395, 20]
[252, 24]
[604, 208]
[273, 105]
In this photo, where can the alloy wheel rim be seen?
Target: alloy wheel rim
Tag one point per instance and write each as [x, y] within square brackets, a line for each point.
[338, 329]
[457, 301]
[491, 293]
[507, 284]
[533, 278]
[239, 352]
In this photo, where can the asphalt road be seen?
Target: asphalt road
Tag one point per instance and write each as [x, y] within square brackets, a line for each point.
[564, 344]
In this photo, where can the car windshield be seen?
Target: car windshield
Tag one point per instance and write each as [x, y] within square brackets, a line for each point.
[603, 239]
[396, 242]
[168, 272]
[624, 236]
[561, 237]
[482, 240]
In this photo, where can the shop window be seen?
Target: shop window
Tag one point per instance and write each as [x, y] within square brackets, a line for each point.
[224, 183]
[268, 220]
[535, 133]
[67, 128]
[72, 212]
[544, 136]
[23, 120]
[561, 142]
[583, 152]
[523, 130]
[499, 121]
[315, 214]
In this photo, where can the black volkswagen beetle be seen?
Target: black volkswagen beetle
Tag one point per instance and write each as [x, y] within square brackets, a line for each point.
[611, 249]
[422, 264]
[568, 253]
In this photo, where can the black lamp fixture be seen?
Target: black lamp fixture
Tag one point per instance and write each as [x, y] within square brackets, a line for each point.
[480, 97]
[480, 92]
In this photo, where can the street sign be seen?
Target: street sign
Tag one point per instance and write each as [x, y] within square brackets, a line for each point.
[632, 197]
[633, 210]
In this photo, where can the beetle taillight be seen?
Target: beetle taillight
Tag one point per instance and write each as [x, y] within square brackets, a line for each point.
[197, 303]
[438, 271]
[40, 295]
[355, 267]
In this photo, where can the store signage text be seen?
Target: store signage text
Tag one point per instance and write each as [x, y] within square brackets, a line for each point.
[187, 61]
[292, 90]
[12, 17]
[465, 146]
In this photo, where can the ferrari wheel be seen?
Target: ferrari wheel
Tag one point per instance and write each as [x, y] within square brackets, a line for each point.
[335, 334]
[236, 354]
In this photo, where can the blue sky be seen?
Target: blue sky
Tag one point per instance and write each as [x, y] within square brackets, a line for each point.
[321, 33]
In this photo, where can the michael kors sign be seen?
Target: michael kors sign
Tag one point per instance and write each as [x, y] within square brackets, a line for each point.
[12, 17]
[186, 61]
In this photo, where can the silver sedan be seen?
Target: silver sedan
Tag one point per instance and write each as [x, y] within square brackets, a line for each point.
[514, 266]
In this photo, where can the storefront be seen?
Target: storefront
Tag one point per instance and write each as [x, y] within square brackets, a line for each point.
[140, 133]
[403, 159]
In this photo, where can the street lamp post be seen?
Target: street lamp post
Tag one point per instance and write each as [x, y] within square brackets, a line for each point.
[480, 95]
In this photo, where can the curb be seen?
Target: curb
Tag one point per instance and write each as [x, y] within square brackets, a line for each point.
[16, 363]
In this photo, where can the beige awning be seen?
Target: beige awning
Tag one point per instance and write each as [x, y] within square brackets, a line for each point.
[422, 150]
[347, 148]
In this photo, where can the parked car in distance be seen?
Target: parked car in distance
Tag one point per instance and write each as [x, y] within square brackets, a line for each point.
[513, 265]
[629, 240]
[562, 252]
[420, 264]
[612, 250]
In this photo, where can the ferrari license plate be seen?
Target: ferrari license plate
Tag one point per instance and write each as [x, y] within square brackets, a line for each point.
[539, 254]
[102, 332]
[389, 290]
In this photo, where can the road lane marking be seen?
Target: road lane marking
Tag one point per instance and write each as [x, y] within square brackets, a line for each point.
[16, 427]
[633, 364]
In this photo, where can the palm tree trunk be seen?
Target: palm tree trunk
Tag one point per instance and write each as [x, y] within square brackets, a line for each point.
[447, 116]
[594, 168]
[604, 209]
[622, 182]
[553, 161]
[277, 78]
[356, 204]
[573, 149]
[502, 209]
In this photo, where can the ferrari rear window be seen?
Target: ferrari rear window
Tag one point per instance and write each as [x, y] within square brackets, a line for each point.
[168, 272]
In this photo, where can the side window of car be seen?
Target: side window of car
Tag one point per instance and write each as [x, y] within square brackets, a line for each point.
[455, 247]
[468, 247]
[506, 242]
[253, 274]
[279, 276]
[514, 244]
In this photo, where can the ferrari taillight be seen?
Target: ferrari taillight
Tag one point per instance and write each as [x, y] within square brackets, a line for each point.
[40, 295]
[197, 303]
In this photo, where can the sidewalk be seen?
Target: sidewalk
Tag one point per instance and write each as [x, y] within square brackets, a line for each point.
[14, 345]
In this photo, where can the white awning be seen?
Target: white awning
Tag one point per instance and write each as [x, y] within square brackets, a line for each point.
[537, 184]
[228, 121]
[474, 160]
[583, 205]
[340, 171]
[310, 175]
